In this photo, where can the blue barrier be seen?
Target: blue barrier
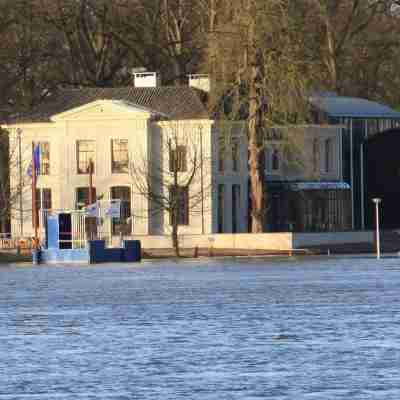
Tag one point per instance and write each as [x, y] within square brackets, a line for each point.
[132, 251]
[98, 253]
[95, 253]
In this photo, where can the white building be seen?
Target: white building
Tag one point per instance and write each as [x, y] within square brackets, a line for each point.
[118, 127]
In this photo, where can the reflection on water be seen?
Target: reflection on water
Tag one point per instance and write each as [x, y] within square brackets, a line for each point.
[289, 329]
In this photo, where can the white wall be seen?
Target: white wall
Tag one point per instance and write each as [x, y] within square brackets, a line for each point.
[196, 136]
[103, 121]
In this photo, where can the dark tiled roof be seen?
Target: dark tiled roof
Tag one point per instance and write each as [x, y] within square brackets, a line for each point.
[175, 102]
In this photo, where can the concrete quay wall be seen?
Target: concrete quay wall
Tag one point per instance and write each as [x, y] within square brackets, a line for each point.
[261, 241]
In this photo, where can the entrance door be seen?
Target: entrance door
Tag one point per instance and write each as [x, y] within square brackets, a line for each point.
[65, 229]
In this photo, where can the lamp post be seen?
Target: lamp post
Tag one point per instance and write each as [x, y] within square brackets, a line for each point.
[377, 201]
[21, 218]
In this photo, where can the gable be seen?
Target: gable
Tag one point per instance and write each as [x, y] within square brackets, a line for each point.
[103, 109]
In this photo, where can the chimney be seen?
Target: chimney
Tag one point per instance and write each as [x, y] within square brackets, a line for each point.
[200, 81]
[142, 78]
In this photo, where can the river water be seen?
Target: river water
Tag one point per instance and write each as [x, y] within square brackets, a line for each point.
[312, 328]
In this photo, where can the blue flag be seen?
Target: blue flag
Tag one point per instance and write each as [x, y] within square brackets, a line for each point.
[36, 158]
[29, 170]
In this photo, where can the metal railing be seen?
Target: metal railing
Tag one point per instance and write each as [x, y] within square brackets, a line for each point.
[13, 243]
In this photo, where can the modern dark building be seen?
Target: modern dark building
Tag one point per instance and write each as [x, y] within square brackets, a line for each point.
[382, 170]
[361, 121]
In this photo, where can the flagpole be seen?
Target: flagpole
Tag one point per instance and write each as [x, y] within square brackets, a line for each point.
[90, 181]
[92, 222]
[34, 206]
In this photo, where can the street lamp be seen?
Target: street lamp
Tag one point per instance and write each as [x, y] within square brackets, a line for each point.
[377, 201]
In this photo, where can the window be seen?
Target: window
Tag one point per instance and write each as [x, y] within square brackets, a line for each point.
[122, 225]
[275, 162]
[235, 154]
[270, 160]
[266, 160]
[328, 155]
[85, 152]
[315, 155]
[235, 207]
[43, 201]
[179, 202]
[119, 156]
[44, 149]
[177, 159]
[221, 209]
[82, 197]
[221, 154]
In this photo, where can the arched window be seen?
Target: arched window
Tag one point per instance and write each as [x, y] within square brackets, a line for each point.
[124, 223]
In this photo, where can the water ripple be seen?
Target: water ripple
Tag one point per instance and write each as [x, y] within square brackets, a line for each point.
[320, 328]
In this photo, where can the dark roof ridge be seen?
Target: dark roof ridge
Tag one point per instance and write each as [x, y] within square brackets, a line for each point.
[177, 102]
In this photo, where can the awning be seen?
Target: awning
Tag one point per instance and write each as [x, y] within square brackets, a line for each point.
[312, 185]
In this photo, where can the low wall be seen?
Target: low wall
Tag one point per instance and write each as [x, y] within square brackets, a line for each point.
[261, 241]
[265, 241]
[301, 240]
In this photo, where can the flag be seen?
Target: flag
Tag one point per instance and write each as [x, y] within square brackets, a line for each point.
[29, 170]
[36, 158]
[113, 210]
[92, 210]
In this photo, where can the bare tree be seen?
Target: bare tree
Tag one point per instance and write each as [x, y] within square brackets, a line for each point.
[176, 178]
[15, 181]
[261, 75]
[161, 35]
[337, 26]
[92, 56]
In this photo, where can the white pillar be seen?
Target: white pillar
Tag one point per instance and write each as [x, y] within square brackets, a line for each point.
[362, 187]
[378, 244]
[352, 173]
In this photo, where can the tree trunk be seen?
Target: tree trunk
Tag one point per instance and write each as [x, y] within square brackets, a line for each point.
[255, 132]
[175, 240]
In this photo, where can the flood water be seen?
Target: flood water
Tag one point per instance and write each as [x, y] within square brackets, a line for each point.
[313, 328]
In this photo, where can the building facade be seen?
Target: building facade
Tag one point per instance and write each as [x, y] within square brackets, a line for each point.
[130, 135]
